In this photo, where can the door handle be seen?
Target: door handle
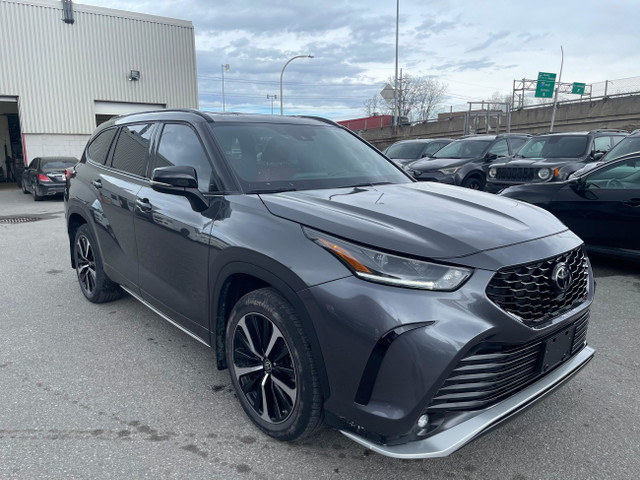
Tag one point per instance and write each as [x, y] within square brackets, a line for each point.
[632, 202]
[97, 183]
[144, 204]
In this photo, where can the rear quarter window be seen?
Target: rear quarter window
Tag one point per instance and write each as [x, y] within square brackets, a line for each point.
[99, 148]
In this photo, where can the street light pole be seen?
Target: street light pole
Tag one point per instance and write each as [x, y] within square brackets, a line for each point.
[272, 97]
[282, 73]
[223, 67]
[555, 97]
[396, 113]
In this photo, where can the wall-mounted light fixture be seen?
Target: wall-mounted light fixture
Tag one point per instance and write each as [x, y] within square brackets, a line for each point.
[67, 10]
[134, 75]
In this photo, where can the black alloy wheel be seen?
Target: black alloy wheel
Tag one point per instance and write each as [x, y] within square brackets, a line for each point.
[264, 368]
[94, 283]
[474, 183]
[271, 366]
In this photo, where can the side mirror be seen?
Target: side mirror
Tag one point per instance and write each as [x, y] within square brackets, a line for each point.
[490, 157]
[179, 180]
[597, 155]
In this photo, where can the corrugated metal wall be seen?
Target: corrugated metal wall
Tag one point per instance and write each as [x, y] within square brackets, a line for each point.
[58, 70]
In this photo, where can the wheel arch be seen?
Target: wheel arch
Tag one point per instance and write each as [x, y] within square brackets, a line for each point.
[74, 220]
[239, 277]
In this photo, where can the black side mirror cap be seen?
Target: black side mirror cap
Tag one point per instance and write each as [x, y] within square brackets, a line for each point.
[179, 180]
[490, 157]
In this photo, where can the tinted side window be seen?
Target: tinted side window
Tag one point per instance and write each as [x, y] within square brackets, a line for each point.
[601, 144]
[180, 145]
[517, 143]
[98, 149]
[432, 148]
[500, 148]
[130, 154]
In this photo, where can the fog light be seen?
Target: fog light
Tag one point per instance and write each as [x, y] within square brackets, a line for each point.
[423, 421]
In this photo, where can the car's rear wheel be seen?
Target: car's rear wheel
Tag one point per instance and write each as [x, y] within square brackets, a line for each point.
[271, 366]
[34, 191]
[24, 189]
[94, 283]
[474, 183]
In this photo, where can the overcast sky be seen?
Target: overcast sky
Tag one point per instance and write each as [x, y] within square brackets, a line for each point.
[475, 47]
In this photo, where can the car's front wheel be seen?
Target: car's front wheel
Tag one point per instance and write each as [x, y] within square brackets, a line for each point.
[94, 283]
[474, 183]
[271, 366]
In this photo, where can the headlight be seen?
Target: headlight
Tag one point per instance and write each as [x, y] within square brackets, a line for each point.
[450, 171]
[493, 172]
[381, 267]
[544, 174]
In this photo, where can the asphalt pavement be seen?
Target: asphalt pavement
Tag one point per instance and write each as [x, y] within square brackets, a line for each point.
[113, 391]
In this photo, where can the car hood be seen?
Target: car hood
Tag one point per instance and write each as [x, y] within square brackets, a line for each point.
[432, 164]
[428, 220]
[537, 162]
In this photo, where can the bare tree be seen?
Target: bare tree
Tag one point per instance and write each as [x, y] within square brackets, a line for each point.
[373, 105]
[419, 97]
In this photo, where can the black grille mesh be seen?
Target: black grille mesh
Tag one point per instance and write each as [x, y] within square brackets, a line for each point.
[516, 174]
[490, 373]
[528, 291]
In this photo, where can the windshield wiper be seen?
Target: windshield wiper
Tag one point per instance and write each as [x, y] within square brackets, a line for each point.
[273, 190]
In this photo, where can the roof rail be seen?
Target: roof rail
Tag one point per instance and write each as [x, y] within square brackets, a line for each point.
[611, 130]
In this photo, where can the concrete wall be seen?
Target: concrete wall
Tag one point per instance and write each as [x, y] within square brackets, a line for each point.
[49, 145]
[618, 112]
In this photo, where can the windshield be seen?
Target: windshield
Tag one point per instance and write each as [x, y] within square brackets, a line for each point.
[271, 157]
[405, 150]
[53, 165]
[555, 146]
[463, 149]
[626, 145]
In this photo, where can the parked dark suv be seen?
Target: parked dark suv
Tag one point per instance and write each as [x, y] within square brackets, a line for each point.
[465, 161]
[407, 151]
[551, 157]
[296, 249]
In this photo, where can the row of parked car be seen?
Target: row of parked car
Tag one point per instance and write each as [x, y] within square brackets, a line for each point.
[589, 180]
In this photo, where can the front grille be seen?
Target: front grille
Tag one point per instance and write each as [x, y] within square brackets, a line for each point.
[529, 292]
[516, 174]
[490, 373]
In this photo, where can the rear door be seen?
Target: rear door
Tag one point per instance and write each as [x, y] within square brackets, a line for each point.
[116, 185]
[173, 239]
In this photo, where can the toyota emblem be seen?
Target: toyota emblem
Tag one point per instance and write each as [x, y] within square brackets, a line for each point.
[561, 278]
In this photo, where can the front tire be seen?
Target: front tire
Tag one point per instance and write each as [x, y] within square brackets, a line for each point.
[474, 183]
[94, 283]
[271, 366]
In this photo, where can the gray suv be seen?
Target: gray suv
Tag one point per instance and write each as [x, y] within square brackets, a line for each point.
[299, 253]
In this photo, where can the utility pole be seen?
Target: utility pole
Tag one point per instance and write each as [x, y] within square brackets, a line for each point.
[223, 68]
[272, 97]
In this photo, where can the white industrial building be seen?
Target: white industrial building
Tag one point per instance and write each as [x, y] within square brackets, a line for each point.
[65, 68]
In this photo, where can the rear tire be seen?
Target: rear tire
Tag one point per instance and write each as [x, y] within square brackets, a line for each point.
[94, 283]
[34, 191]
[24, 189]
[271, 366]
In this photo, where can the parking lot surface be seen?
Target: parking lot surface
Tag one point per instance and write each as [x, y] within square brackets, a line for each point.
[114, 391]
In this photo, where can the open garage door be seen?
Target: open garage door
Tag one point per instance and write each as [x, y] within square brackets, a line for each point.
[107, 110]
[11, 149]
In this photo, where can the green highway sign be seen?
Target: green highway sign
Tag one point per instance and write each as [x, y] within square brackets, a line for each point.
[578, 88]
[546, 82]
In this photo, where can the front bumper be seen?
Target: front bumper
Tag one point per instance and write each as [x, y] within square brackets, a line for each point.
[454, 438]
